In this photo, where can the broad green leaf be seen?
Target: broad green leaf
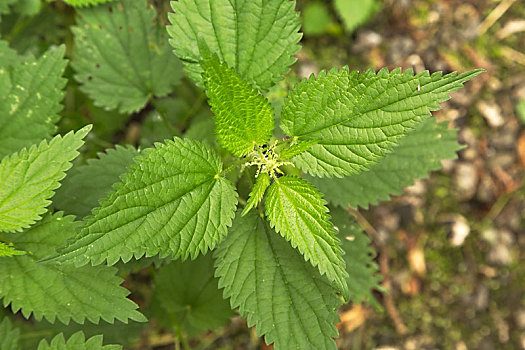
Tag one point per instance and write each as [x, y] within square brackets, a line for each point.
[290, 303]
[30, 95]
[82, 3]
[63, 292]
[32, 333]
[9, 336]
[358, 118]
[243, 117]
[417, 153]
[122, 56]
[28, 179]
[188, 293]
[354, 13]
[76, 342]
[257, 193]
[297, 211]
[359, 256]
[173, 201]
[9, 250]
[257, 38]
[86, 185]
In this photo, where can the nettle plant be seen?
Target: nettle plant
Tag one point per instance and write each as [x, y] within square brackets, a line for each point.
[237, 222]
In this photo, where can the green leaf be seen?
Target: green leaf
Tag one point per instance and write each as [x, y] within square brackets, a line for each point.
[289, 302]
[257, 193]
[257, 38]
[417, 153]
[359, 256]
[297, 211]
[173, 201]
[8, 56]
[30, 95]
[296, 148]
[8, 250]
[122, 56]
[317, 20]
[63, 292]
[189, 293]
[243, 117]
[355, 13]
[28, 7]
[358, 118]
[9, 336]
[82, 3]
[77, 342]
[29, 177]
[86, 185]
[4, 6]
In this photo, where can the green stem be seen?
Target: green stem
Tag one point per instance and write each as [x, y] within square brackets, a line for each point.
[178, 332]
[164, 116]
[233, 166]
[21, 23]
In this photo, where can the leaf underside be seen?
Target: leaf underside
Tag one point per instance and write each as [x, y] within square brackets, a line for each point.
[63, 292]
[122, 55]
[297, 211]
[77, 342]
[86, 185]
[243, 117]
[257, 38]
[30, 95]
[28, 179]
[417, 153]
[290, 303]
[358, 118]
[171, 202]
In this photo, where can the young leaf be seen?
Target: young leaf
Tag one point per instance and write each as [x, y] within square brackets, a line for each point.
[188, 293]
[173, 201]
[417, 153]
[257, 38]
[77, 342]
[9, 250]
[29, 177]
[288, 301]
[243, 117]
[122, 55]
[62, 292]
[82, 3]
[362, 271]
[358, 118]
[296, 148]
[297, 211]
[86, 185]
[8, 336]
[257, 193]
[30, 95]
